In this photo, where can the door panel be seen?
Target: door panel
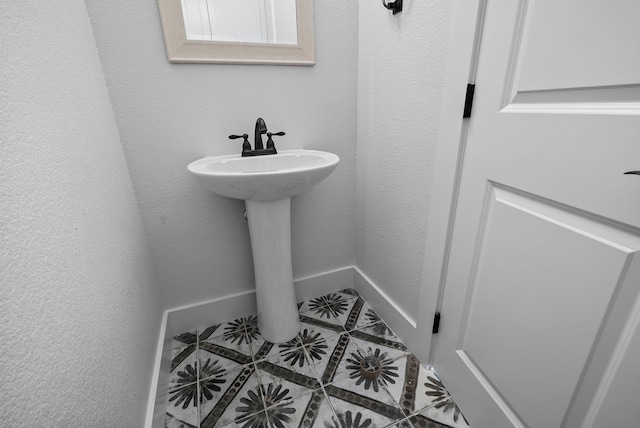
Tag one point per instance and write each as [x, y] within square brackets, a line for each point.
[618, 397]
[569, 45]
[563, 62]
[525, 280]
[542, 296]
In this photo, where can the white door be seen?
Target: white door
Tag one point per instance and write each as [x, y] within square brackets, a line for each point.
[541, 311]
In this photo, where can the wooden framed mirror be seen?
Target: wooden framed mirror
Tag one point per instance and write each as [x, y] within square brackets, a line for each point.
[248, 34]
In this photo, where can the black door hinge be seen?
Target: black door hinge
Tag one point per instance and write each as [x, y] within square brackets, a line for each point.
[468, 100]
[436, 323]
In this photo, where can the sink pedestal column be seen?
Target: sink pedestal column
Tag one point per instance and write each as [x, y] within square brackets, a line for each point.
[270, 230]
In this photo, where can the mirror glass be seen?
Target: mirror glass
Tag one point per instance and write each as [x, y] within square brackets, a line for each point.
[249, 21]
[238, 31]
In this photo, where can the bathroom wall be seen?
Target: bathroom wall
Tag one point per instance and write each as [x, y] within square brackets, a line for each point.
[171, 114]
[400, 80]
[79, 315]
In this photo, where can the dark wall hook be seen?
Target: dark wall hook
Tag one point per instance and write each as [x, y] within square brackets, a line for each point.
[395, 6]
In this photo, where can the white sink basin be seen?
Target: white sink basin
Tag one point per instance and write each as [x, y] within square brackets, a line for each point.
[264, 178]
[266, 183]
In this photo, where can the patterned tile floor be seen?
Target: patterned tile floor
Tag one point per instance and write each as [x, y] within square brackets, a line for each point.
[346, 369]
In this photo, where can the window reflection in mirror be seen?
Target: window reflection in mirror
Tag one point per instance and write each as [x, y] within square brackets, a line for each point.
[204, 31]
[247, 21]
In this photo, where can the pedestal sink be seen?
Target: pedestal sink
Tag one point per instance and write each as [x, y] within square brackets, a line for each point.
[266, 184]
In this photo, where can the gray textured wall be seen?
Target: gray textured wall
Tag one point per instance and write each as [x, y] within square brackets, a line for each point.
[401, 69]
[79, 314]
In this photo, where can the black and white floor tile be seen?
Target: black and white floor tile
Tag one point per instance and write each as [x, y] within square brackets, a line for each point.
[345, 369]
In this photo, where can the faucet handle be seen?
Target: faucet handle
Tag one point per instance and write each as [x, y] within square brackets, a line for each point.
[234, 137]
[270, 144]
[245, 144]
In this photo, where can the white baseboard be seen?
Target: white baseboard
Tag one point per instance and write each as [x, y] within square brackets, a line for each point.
[324, 283]
[398, 320]
[201, 315]
[159, 391]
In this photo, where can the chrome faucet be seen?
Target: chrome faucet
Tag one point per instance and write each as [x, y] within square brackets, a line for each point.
[258, 150]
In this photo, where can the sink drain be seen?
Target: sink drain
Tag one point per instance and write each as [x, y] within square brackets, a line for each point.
[370, 367]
